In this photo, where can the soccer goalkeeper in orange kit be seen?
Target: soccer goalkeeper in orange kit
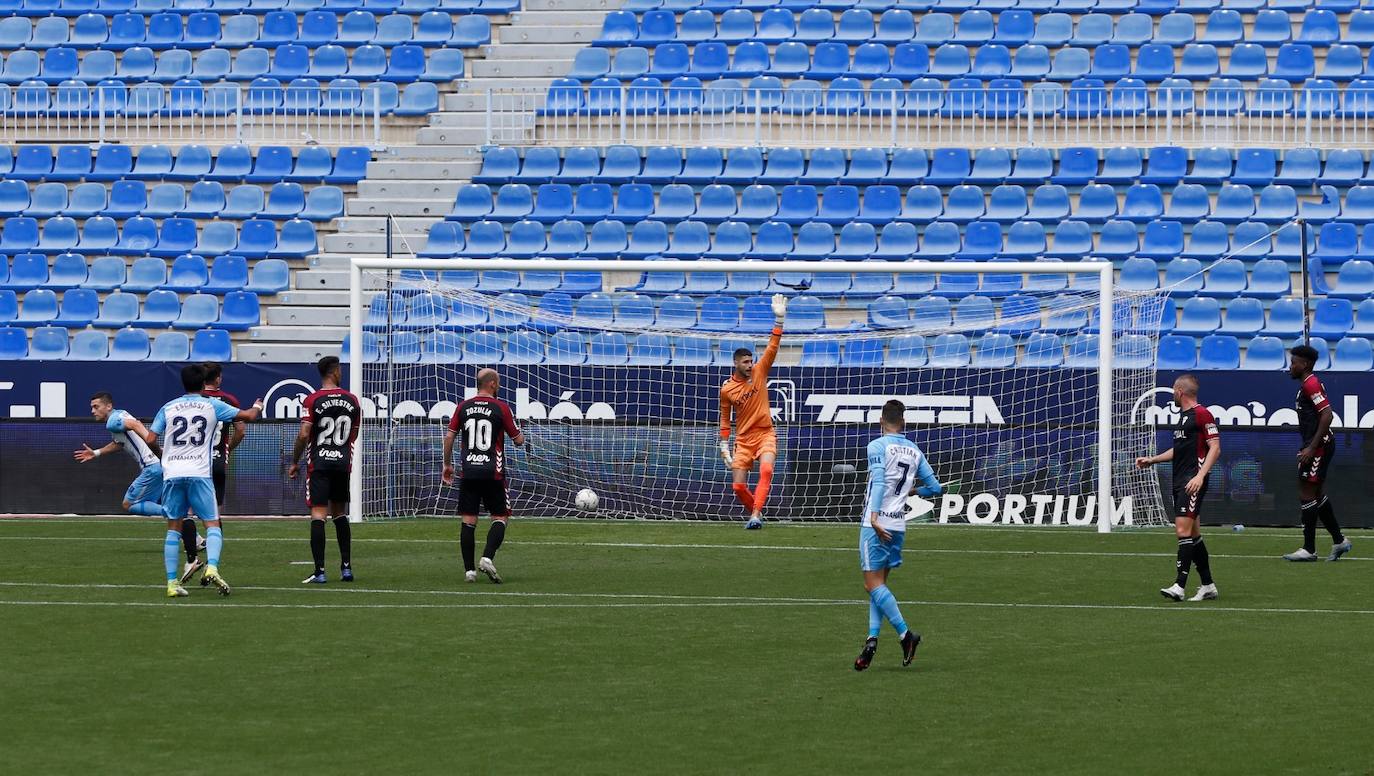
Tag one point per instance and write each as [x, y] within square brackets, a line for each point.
[746, 392]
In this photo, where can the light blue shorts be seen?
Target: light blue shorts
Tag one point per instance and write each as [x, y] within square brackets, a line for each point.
[876, 554]
[181, 494]
[147, 486]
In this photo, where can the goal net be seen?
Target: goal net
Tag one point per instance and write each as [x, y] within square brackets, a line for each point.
[1021, 400]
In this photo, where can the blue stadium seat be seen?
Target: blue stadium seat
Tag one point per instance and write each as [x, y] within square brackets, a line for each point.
[1286, 318]
[1269, 278]
[49, 344]
[1226, 279]
[950, 350]
[1332, 318]
[68, 271]
[171, 346]
[213, 345]
[1352, 354]
[1354, 281]
[120, 309]
[129, 345]
[79, 307]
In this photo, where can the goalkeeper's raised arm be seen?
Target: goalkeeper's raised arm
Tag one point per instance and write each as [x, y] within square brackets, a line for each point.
[746, 395]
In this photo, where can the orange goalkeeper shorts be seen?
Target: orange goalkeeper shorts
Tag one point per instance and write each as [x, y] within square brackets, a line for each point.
[749, 448]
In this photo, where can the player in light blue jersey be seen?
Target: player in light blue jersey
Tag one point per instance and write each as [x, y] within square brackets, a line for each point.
[190, 423]
[144, 495]
[895, 463]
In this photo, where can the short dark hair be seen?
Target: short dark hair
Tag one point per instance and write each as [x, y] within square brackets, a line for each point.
[894, 413]
[741, 353]
[1189, 383]
[1305, 351]
[213, 370]
[327, 365]
[102, 396]
[193, 378]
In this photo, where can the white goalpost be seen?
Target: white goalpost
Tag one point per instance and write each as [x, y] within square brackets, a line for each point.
[1020, 398]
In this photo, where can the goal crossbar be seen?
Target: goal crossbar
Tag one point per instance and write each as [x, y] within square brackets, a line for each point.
[1103, 269]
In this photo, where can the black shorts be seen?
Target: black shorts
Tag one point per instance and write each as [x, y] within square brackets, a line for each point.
[1188, 504]
[217, 474]
[325, 487]
[473, 493]
[1315, 470]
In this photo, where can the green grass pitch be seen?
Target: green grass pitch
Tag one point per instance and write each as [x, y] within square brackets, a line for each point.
[648, 648]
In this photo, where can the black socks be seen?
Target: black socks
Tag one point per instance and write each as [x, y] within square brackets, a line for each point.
[1310, 512]
[1204, 566]
[1328, 518]
[495, 534]
[1185, 560]
[468, 541]
[317, 544]
[344, 533]
[188, 539]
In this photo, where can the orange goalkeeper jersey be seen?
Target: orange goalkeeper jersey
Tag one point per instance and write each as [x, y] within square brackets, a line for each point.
[749, 398]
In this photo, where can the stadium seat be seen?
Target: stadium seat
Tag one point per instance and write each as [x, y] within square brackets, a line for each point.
[1352, 354]
[1177, 352]
[1286, 317]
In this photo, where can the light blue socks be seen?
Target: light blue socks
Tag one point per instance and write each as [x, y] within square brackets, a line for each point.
[214, 542]
[171, 547]
[884, 601]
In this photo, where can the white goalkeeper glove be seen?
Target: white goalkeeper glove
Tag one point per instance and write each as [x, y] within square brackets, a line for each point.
[779, 308]
[725, 452]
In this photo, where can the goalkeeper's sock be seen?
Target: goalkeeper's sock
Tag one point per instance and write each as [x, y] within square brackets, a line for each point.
[745, 497]
[146, 508]
[169, 554]
[765, 482]
[1311, 510]
[317, 544]
[343, 532]
[887, 603]
[467, 540]
[1328, 518]
[189, 538]
[875, 618]
[1185, 561]
[495, 534]
[1201, 560]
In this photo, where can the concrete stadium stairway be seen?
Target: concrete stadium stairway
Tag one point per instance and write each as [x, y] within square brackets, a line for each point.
[416, 184]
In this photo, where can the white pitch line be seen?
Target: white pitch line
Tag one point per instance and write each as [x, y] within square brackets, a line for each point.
[340, 591]
[705, 604]
[697, 546]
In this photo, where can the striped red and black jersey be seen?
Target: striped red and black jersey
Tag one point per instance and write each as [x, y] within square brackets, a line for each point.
[223, 431]
[1310, 403]
[334, 415]
[482, 424]
[1196, 427]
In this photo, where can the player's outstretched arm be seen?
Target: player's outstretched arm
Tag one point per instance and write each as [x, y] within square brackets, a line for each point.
[87, 454]
[252, 413]
[1146, 461]
[447, 475]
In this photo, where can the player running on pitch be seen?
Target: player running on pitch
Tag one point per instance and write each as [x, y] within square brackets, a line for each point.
[1314, 459]
[483, 422]
[1197, 446]
[144, 495]
[746, 392]
[895, 463]
[329, 428]
[187, 484]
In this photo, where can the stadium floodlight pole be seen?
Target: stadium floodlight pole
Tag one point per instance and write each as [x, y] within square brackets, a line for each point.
[1106, 308]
